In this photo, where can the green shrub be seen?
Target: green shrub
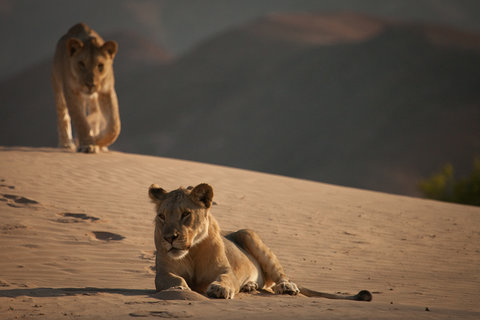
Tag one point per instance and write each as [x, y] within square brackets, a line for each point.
[444, 187]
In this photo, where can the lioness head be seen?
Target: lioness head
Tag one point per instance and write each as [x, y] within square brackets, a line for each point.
[90, 62]
[182, 218]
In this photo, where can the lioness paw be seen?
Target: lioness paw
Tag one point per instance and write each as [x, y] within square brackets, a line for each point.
[88, 149]
[179, 288]
[217, 290]
[286, 287]
[250, 286]
[68, 146]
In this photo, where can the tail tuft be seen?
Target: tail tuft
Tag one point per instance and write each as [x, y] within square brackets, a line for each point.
[363, 295]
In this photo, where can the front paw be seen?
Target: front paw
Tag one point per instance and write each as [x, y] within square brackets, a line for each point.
[90, 148]
[286, 287]
[179, 288]
[217, 290]
[70, 146]
[250, 286]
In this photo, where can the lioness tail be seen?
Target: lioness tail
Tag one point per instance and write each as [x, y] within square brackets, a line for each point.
[363, 295]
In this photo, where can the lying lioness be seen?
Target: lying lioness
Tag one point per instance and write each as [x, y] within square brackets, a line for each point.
[193, 254]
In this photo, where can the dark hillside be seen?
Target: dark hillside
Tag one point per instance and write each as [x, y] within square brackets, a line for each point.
[345, 99]
[375, 113]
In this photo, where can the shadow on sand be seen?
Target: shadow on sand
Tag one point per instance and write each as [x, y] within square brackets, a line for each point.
[171, 294]
[60, 292]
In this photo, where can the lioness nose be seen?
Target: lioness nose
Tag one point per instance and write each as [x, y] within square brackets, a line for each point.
[89, 81]
[89, 84]
[171, 237]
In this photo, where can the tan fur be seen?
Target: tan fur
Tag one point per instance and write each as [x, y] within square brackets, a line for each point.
[83, 85]
[192, 253]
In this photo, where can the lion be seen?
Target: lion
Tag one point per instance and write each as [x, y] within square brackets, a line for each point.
[83, 85]
[193, 254]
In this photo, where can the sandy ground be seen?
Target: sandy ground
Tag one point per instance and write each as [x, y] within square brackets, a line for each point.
[76, 242]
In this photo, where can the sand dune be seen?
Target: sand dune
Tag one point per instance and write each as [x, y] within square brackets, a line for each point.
[76, 239]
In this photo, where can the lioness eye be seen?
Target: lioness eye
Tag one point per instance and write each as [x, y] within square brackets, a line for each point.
[186, 214]
[100, 67]
[81, 64]
[161, 216]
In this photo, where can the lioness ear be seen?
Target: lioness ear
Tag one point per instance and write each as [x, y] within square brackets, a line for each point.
[111, 47]
[73, 45]
[156, 193]
[202, 194]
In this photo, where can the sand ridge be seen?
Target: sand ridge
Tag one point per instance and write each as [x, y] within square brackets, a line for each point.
[76, 238]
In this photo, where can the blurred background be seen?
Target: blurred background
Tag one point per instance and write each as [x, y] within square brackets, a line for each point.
[374, 94]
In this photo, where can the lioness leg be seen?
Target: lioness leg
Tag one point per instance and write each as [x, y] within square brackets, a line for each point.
[108, 103]
[94, 116]
[165, 281]
[64, 127]
[268, 261]
[81, 125]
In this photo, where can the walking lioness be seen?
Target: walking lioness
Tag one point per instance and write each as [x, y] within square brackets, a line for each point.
[193, 254]
[83, 85]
